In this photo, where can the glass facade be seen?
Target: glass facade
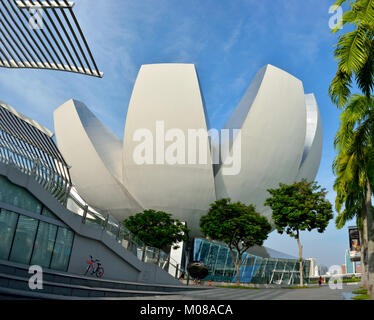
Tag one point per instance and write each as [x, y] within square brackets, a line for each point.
[27, 239]
[18, 197]
[254, 269]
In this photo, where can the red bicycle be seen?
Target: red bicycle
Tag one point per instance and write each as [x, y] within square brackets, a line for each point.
[94, 267]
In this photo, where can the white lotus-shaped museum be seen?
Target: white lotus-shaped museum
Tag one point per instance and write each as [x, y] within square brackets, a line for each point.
[280, 141]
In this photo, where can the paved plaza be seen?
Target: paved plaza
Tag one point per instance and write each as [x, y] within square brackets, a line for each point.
[315, 293]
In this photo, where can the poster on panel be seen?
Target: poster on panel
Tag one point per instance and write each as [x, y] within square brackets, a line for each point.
[354, 243]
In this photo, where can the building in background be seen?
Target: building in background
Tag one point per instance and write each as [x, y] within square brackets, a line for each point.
[322, 270]
[44, 221]
[275, 118]
[344, 269]
[49, 221]
[261, 265]
[350, 266]
[313, 267]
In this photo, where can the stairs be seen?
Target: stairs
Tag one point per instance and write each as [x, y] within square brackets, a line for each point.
[14, 284]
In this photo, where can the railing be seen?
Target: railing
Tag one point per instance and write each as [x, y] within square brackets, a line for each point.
[122, 235]
[64, 192]
[52, 181]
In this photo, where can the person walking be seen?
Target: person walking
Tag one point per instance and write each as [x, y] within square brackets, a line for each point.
[320, 281]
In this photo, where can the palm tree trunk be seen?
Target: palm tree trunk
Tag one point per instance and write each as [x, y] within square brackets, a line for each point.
[364, 280]
[363, 244]
[300, 258]
[370, 234]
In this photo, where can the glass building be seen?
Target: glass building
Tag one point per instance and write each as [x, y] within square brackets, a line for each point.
[261, 266]
[29, 232]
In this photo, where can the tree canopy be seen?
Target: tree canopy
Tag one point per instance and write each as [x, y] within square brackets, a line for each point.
[237, 225]
[157, 228]
[299, 206]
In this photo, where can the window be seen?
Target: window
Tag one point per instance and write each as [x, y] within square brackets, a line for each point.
[48, 213]
[27, 240]
[8, 221]
[44, 244]
[18, 197]
[24, 240]
[62, 249]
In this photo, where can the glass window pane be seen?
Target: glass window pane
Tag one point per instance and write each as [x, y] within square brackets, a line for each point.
[62, 249]
[48, 213]
[24, 240]
[18, 197]
[43, 246]
[8, 221]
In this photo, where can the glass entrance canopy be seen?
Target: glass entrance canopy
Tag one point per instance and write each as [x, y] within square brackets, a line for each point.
[272, 269]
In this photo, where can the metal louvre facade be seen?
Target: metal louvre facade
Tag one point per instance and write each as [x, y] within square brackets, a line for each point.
[30, 147]
[44, 35]
[254, 269]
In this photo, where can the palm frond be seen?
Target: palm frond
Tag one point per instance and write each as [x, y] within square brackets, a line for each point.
[365, 10]
[339, 90]
[351, 51]
[365, 75]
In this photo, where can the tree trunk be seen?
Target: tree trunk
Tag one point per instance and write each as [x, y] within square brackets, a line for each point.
[370, 237]
[143, 253]
[237, 265]
[300, 258]
[363, 245]
[158, 256]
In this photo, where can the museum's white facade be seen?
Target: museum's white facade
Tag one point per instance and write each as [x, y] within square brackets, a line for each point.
[280, 140]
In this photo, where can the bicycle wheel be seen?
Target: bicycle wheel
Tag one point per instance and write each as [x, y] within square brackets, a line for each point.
[100, 272]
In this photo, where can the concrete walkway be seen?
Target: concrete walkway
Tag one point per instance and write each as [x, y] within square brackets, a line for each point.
[323, 293]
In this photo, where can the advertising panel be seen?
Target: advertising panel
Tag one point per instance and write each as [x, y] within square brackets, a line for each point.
[354, 244]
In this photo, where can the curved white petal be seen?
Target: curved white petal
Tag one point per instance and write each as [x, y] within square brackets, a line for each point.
[94, 154]
[313, 141]
[271, 117]
[169, 93]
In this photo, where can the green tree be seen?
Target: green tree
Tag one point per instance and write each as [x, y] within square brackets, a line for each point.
[237, 225]
[298, 207]
[354, 52]
[354, 171]
[157, 229]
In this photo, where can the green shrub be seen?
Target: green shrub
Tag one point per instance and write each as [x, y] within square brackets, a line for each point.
[360, 291]
[362, 297]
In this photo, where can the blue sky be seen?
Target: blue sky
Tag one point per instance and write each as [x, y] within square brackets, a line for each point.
[227, 40]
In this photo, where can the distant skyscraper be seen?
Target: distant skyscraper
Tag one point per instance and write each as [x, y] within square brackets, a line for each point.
[322, 270]
[313, 268]
[316, 273]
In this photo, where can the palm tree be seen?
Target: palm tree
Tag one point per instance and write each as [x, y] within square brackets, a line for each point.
[354, 169]
[349, 187]
[354, 52]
